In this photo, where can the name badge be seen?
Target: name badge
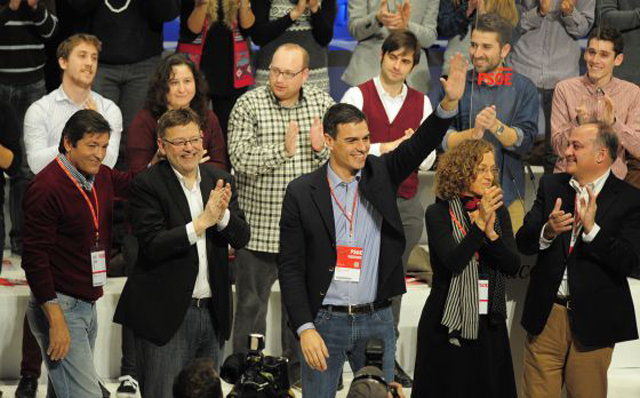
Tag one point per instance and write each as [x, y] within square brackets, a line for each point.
[98, 267]
[483, 296]
[348, 264]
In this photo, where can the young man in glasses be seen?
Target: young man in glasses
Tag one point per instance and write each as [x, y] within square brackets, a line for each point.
[275, 135]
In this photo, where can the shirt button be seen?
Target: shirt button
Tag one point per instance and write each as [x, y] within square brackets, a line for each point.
[321, 293]
[331, 269]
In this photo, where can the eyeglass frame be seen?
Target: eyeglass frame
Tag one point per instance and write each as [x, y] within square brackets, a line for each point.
[196, 140]
[283, 73]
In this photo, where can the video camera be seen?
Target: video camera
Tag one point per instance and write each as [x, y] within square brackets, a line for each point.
[369, 381]
[255, 375]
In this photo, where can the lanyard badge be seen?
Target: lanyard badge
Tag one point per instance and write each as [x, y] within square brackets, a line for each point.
[349, 259]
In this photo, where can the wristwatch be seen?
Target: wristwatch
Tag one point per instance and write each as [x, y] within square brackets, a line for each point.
[500, 129]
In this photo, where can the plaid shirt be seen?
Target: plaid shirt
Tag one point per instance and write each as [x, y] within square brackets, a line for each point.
[257, 127]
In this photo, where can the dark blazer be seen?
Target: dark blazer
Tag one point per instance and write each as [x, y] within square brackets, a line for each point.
[157, 295]
[307, 229]
[601, 307]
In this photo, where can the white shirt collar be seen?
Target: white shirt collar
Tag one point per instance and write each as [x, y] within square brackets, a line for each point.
[182, 181]
[596, 186]
[382, 91]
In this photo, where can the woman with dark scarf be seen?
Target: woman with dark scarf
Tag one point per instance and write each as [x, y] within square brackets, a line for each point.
[463, 345]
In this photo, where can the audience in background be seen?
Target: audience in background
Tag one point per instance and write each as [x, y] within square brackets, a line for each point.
[623, 15]
[463, 347]
[307, 23]
[394, 111]
[503, 114]
[176, 84]
[599, 96]
[370, 22]
[198, 380]
[548, 51]
[214, 34]
[275, 135]
[456, 18]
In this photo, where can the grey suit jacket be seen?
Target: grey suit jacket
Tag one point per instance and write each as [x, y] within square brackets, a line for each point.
[364, 27]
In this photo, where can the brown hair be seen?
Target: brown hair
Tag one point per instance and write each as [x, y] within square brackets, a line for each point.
[457, 169]
[402, 39]
[505, 8]
[176, 117]
[65, 48]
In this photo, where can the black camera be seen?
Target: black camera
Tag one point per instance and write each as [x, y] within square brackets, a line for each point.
[369, 381]
[255, 375]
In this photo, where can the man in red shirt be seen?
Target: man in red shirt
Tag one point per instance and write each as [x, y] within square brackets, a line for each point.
[68, 216]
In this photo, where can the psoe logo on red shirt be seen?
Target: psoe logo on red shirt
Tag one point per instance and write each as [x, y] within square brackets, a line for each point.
[501, 77]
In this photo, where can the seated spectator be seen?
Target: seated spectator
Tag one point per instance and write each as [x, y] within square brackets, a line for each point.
[548, 51]
[45, 118]
[307, 23]
[371, 21]
[456, 17]
[176, 84]
[504, 115]
[215, 35]
[598, 96]
[198, 380]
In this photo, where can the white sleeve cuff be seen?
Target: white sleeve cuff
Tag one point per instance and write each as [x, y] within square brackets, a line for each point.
[374, 149]
[306, 326]
[222, 224]
[544, 243]
[591, 235]
[191, 233]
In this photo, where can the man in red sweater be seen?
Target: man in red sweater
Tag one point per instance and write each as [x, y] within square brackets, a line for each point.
[394, 111]
[68, 212]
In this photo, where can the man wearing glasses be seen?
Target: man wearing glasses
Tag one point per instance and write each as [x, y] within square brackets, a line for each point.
[275, 135]
[184, 215]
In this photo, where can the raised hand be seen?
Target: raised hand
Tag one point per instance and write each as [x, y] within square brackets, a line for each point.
[567, 6]
[471, 7]
[33, 4]
[609, 116]
[543, 7]
[14, 4]
[454, 85]
[205, 158]
[298, 9]
[314, 5]
[486, 119]
[291, 138]
[559, 222]
[90, 103]
[316, 134]
[582, 113]
[387, 18]
[490, 202]
[390, 146]
[404, 12]
[588, 212]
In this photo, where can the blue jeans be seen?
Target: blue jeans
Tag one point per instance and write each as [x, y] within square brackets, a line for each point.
[158, 366]
[346, 337]
[75, 375]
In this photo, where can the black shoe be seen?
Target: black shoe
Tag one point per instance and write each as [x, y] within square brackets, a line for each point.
[233, 393]
[340, 384]
[400, 376]
[128, 387]
[27, 387]
[105, 392]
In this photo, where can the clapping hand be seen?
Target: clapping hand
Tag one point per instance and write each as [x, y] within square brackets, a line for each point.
[485, 216]
[316, 134]
[567, 7]
[588, 212]
[559, 222]
[486, 119]
[291, 138]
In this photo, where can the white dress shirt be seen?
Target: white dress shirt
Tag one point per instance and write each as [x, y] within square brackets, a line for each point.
[582, 196]
[202, 288]
[392, 105]
[45, 120]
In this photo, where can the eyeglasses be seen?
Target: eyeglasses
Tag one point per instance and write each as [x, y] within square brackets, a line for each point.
[286, 74]
[490, 170]
[196, 141]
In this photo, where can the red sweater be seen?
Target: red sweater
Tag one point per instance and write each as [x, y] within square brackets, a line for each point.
[59, 231]
[142, 141]
[381, 130]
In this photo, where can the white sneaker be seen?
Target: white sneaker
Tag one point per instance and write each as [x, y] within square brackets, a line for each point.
[128, 387]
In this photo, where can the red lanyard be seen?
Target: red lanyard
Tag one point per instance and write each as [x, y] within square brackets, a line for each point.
[95, 212]
[353, 208]
[460, 228]
[577, 224]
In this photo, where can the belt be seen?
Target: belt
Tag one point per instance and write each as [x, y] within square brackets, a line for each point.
[358, 309]
[201, 302]
[564, 301]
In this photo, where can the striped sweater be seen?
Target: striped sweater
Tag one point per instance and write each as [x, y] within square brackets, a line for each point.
[22, 36]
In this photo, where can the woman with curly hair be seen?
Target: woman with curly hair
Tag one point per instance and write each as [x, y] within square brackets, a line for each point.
[175, 84]
[463, 344]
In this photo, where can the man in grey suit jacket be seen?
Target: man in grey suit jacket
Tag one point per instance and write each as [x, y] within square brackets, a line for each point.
[370, 22]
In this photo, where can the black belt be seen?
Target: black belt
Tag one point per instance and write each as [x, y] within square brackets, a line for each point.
[358, 309]
[201, 302]
[564, 301]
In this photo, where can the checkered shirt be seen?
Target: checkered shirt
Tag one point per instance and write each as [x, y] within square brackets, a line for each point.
[263, 170]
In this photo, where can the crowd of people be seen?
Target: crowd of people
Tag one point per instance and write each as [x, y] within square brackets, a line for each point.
[213, 166]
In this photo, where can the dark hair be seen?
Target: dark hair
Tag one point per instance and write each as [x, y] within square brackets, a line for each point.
[494, 23]
[607, 139]
[65, 48]
[341, 114]
[399, 39]
[176, 117]
[608, 34]
[156, 101]
[83, 122]
[198, 380]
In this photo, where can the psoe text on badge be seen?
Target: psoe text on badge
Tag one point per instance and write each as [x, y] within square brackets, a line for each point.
[501, 77]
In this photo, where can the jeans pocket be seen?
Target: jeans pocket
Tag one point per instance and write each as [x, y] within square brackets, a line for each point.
[67, 303]
[321, 317]
[384, 315]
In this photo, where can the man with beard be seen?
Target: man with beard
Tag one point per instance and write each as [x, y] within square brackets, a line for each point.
[45, 118]
[500, 106]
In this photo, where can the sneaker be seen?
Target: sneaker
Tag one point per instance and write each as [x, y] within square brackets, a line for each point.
[128, 387]
[27, 387]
